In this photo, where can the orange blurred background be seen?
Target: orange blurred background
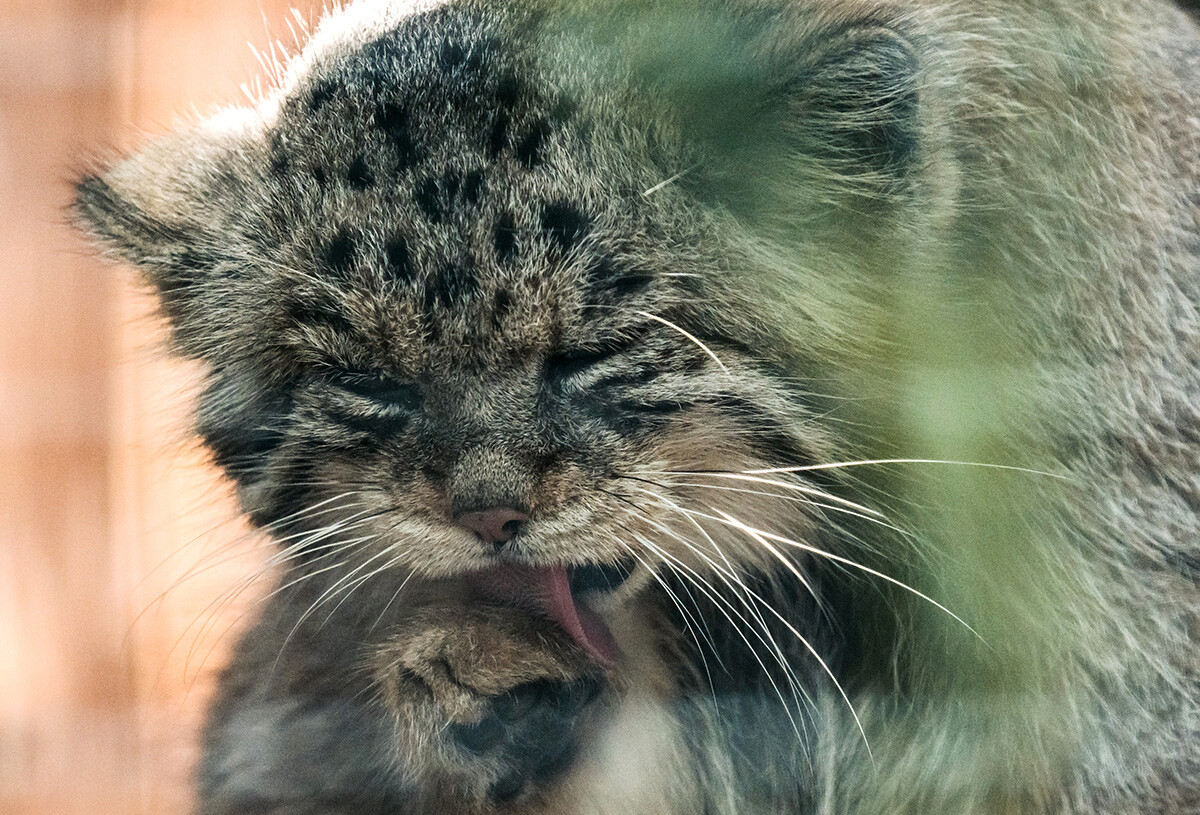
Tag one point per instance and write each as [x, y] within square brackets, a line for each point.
[121, 555]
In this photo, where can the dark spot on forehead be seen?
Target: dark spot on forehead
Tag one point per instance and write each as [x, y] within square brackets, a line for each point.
[341, 251]
[508, 90]
[322, 93]
[563, 224]
[452, 287]
[437, 196]
[319, 176]
[505, 239]
[428, 196]
[529, 151]
[359, 176]
[473, 186]
[399, 261]
[498, 139]
[453, 54]
[501, 305]
[379, 60]
[485, 46]
[281, 160]
[393, 119]
[457, 54]
[563, 110]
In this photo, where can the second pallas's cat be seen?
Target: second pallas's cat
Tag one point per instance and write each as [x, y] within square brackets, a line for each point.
[561, 345]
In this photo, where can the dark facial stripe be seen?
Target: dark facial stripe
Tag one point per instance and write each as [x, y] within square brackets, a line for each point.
[658, 407]
[608, 277]
[498, 138]
[630, 379]
[765, 432]
[375, 425]
[320, 315]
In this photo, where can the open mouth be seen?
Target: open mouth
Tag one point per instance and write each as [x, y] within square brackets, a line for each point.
[560, 593]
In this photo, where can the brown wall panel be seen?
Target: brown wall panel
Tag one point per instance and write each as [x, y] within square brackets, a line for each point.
[119, 547]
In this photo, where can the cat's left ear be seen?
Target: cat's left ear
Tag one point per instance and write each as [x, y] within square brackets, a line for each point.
[819, 109]
[158, 209]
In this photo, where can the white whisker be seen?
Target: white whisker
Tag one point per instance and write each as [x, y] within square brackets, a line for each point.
[749, 530]
[725, 607]
[787, 485]
[805, 501]
[866, 462]
[685, 333]
[670, 180]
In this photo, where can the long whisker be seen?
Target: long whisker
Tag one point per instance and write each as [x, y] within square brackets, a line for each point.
[730, 579]
[787, 485]
[333, 589]
[213, 610]
[685, 333]
[207, 562]
[693, 626]
[808, 646]
[867, 462]
[800, 500]
[729, 520]
[412, 573]
[350, 588]
[725, 607]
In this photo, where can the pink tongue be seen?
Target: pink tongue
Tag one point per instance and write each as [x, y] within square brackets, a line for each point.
[548, 590]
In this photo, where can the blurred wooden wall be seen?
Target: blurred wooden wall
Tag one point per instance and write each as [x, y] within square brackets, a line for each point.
[119, 548]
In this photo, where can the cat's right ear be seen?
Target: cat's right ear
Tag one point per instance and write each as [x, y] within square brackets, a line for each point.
[157, 208]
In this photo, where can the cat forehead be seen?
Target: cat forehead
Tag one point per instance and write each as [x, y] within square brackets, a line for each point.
[449, 190]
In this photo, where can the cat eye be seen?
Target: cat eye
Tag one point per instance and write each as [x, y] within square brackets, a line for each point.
[380, 389]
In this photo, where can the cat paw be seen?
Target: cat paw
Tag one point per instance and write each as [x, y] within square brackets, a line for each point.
[530, 733]
[489, 701]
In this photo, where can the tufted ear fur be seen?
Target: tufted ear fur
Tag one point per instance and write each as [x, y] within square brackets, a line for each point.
[159, 209]
[829, 115]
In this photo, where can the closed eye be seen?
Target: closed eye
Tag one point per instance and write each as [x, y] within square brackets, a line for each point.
[569, 364]
[382, 390]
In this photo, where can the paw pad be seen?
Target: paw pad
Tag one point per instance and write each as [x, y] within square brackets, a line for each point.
[531, 730]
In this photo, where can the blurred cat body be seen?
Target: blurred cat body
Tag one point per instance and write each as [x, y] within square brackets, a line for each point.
[724, 407]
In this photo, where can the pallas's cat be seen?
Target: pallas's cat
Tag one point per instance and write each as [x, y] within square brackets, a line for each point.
[762, 406]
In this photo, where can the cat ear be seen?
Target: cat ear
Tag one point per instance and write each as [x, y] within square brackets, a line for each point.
[831, 115]
[852, 105]
[157, 210]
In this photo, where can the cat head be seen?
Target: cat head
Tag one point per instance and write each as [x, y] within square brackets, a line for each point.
[478, 283]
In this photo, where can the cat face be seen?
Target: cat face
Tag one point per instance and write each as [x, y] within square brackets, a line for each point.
[457, 311]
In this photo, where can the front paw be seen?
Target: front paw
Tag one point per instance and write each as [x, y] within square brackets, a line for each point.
[490, 702]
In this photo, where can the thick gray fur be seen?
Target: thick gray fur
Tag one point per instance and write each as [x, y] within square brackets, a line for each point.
[868, 331]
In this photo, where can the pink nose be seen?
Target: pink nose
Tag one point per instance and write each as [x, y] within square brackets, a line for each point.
[496, 526]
